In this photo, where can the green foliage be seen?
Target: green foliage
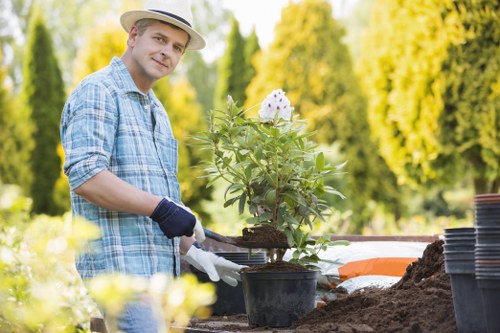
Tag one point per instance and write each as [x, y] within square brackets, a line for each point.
[103, 42]
[15, 136]
[308, 60]
[40, 291]
[273, 168]
[43, 97]
[431, 73]
[231, 71]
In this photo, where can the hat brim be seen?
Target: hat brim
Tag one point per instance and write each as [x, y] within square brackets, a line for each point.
[128, 19]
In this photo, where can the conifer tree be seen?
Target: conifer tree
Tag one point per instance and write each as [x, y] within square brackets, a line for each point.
[15, 137]
[201, 75]
[231, 71]
[431, 72]
[252, 47]
[43, 97]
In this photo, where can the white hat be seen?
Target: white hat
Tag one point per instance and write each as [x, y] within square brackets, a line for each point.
[176, 12]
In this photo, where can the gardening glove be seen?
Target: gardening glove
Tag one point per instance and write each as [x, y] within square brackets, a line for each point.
[199, 232]
[216, 267]
[174, 219]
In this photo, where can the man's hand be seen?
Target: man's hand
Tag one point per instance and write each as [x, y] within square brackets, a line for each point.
[216, 267]
[174, 220]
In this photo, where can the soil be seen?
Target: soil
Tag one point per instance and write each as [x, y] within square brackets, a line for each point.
[262, 236]
[421, 302]
[279, 266]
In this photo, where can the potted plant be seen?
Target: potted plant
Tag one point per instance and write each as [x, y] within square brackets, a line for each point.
[274, 169]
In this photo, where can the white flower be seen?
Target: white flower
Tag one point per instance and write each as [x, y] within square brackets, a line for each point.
[276, 104]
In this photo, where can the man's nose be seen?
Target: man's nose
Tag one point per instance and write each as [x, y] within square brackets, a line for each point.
[166, 50]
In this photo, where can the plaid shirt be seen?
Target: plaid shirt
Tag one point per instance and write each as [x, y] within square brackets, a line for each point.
[108, 124]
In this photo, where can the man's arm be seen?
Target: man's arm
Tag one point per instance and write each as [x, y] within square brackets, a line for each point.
[110, 192]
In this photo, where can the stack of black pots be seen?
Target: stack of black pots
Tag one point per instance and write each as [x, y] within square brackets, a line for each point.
[487, 256]
[459, 252]
[472, 260]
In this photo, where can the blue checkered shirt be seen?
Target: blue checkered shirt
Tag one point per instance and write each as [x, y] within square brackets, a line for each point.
[109, 124]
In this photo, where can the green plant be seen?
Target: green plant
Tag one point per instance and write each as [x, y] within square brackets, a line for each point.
[274, 169]
[40, 291]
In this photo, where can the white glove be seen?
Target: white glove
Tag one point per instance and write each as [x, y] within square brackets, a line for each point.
[199, 234]
[216, 267]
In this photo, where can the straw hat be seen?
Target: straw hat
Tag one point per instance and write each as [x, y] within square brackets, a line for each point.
[176, 12]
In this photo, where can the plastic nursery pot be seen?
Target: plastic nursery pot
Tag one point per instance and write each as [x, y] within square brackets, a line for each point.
[460, 247]
[490, 295]
[467, 302]
[488, 237]
[278, 299]
[230, 300]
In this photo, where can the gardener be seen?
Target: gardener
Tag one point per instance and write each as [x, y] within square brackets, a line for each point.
[121, 161]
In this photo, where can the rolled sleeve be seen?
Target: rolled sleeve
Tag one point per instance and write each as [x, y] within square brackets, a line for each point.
[87, 132]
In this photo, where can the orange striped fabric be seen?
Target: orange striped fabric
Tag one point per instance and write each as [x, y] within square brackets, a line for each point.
[375, 266]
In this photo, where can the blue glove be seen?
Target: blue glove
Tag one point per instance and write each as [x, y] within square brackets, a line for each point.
[174, 220]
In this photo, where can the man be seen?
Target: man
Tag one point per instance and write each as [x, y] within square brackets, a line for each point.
[121, 160]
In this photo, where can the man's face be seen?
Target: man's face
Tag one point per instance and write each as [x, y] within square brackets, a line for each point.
[157, 51]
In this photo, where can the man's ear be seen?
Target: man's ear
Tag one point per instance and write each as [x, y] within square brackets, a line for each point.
[132, 36]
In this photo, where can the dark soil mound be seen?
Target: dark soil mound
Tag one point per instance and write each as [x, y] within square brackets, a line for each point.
[421, 302]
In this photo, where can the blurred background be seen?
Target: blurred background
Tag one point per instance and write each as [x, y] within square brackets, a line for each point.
[407, 92]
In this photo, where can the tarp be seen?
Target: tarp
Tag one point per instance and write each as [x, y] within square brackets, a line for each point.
[371, 260]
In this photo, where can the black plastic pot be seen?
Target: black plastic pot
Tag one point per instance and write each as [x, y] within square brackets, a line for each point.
[230, 300]
[278, 299]
[467, 303]
[490, 293]
[459, 263]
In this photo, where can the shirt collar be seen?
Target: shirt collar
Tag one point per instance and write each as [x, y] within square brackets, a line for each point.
[126, 82]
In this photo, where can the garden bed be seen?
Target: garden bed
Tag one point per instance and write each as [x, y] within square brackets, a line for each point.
[420, 302]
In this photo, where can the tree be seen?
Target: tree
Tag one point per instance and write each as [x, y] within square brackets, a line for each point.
[356, 24]
[231, 71]
[199, 67]
[431, 73]
[308, 60]
[15, 136]
[252, 47]
[103, 42]
[43, 97]
[67, 20]
[201, 75]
